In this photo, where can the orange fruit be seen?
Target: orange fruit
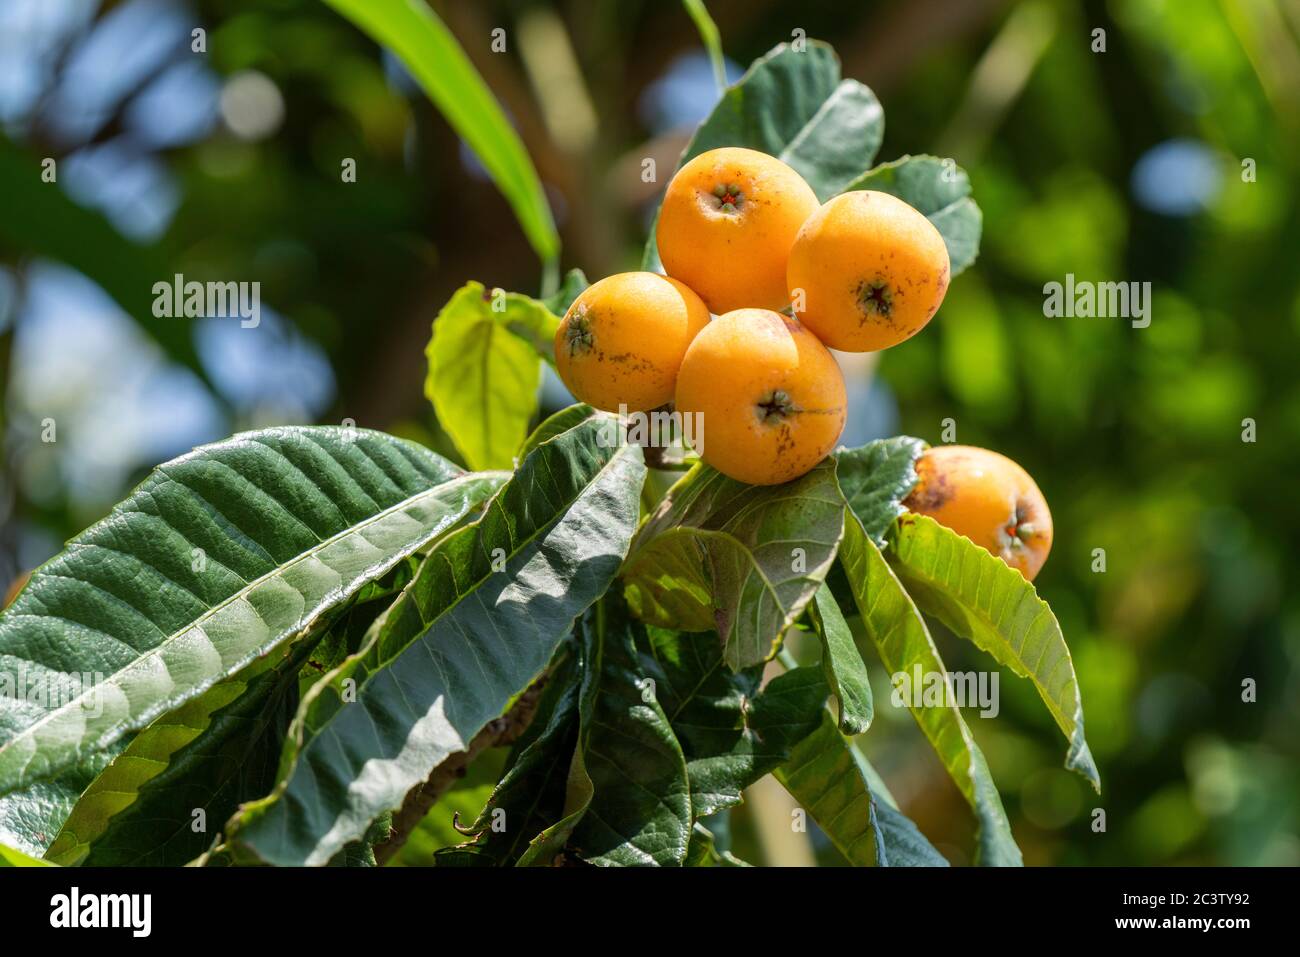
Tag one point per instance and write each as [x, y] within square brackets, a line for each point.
[867, 271]
[768, 398]
[989, 499]
[623, 339]
[728, 220]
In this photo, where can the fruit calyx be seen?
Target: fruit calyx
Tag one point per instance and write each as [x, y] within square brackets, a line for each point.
[774, 406]
[876, 297]
[1019, 530]
[729, 197]
[578, 334]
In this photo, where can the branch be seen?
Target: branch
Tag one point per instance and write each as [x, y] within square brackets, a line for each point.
[498, 732]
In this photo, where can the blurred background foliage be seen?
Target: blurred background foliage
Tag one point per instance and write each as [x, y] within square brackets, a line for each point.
[1122, 165]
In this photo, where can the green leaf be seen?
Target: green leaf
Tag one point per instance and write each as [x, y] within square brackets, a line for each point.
[483, 378]
[704, 852]
[361, 853]
[793, 105]
[531, 322]
[215, 559]
[429, 50]
[842, 663]
[556, 424]
[211, 753]
[575, 281]
[940, 189]
[709, 36]
[529, 798]
[741, 559]
[829, 777]
[903, 642]
[31, 817]
[639, 798]
[731, 732]
[875, 478]
[12, 857]
[476, 626]
[980, 597]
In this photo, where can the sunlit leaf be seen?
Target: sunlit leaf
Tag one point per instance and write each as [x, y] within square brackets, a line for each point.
[12, 857]
[483, 377]
[903, 643]
[214, 560]
[429, 50]
[940, 189]
[875, 478]
[743, 560]
[208, 755]
[476, 626]
[980, 597]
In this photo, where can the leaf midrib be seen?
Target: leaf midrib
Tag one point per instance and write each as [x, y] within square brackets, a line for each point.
[149, 713]
[1070, 727]
[319, 688]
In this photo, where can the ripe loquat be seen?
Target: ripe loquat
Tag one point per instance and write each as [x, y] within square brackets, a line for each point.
[769, 397]
[728, 220]
[867, 271]
[989, 499]
[623, 339]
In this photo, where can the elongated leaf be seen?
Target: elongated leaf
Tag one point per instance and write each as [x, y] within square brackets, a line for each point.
[940, 189]
[903, 642]
[792, 104]
[709, 36]
[31, 817]
[12, 857]
[875, 478]
[208, 755]
[832, 781]
[483, 379]
[475, 627]
[842, 663]
[214, 560]
[412, 31]
[139, 811]
[529, 798]
[980, 597]
[731, 732]
[744, 560]
[639, 798]
[575, 280]
[704, 852]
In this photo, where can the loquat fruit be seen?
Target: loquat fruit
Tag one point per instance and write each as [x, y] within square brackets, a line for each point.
[989, 499]
[623, 339]
[768, 397]
[728, 220]
[867, 271]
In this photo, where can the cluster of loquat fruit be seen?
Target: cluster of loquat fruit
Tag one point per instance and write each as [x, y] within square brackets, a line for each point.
[742, 236]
